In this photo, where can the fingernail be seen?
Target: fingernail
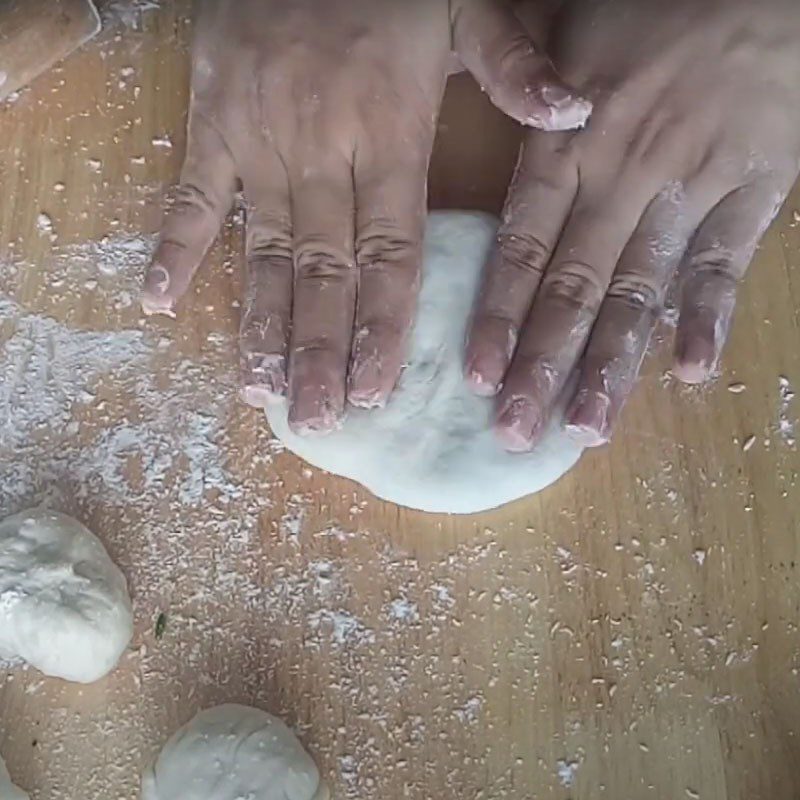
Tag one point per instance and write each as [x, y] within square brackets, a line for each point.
[695, 361]
[152, 305]
[157, 280]
[480, 386]
[316, 416]
[567, 112]
[518, 424]
[154, 300]
[479, 379]
[368, 399]
[263, 376]
[257, 396]
[587, 419]
[556, 96]
[365, 383]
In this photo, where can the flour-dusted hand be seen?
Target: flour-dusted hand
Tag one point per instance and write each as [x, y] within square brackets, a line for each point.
[693, 145]
[326, 112]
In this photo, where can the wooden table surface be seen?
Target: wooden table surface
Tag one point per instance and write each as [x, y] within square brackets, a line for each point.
[631, 632]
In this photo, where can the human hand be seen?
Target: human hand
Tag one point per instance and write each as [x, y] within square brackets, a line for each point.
[693, 145]
[326, 113]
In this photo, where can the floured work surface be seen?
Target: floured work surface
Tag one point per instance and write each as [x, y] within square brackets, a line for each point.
[633, 626]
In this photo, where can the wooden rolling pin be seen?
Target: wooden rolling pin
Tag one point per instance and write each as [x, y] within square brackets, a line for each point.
[36, 34]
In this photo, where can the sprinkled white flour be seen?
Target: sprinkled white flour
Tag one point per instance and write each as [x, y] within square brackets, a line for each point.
[127, 12]
[420, 658]
[140, 434]
[786, 423]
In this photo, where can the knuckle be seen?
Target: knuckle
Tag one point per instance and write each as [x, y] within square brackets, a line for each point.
[315, 260]
[381, 245]
[192, 197]
[524, 253]
[714, 263]
[636, 293]
[265, 244]
[576, 284]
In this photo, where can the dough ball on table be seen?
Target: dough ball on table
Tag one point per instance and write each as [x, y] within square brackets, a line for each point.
[64, 604]
[432, 448]
[7, 789]
[233, 752]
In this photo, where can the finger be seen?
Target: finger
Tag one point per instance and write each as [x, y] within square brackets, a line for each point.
[202, 200]
[324, 295]
[628, 316]
[495, 47]
[390, 223]
[539, 201]
[267, 308]
[562, 316]
[718, 259]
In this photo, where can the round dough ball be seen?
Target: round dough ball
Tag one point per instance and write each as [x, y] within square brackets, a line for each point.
[432, 447]
[64, 605]
[7, 789]
[232, 752]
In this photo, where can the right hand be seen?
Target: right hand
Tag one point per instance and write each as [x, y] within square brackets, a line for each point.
[326, 113]
[693, 146]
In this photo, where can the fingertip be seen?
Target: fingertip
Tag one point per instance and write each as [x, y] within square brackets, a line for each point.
[518, 425]
[695, 361]
[315, 409]
[691, 373]
[263, 379]
[155, 305]
[479, 385]
[368, 386]
[480, 380]
[156, 297]
[487, 360]
[556, 107]
[587, 420]
[257, 397]
[319, 417]
[569, 116]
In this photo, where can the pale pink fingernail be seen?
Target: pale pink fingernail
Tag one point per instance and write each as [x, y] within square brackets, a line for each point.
[567, 111]
[695, 361]
[263, 376]
[157, 305]
[365, 383]
[314, 416]
[257, 396]
[478, 379]
[587, 419]
[157, 279]
[518, 425]
[154, 299]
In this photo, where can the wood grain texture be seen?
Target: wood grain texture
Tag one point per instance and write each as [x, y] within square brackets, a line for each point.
[35, 34]
[630, 633]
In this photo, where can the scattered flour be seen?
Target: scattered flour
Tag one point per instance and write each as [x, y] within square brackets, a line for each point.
[567, 771]
[128, 13]
[786, 423]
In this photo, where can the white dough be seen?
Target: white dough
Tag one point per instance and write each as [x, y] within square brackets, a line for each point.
[7, 789]
[64, 605]
[431, 448]
[233, 752]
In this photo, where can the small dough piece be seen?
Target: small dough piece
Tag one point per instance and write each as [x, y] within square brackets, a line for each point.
[64, 605]
[233, 752]
[432, 447]
[7, 789]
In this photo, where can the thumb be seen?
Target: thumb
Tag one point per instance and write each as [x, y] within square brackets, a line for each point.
[494, 46]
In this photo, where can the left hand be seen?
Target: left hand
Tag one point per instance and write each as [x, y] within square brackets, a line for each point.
[692, 148]
[325, 113]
